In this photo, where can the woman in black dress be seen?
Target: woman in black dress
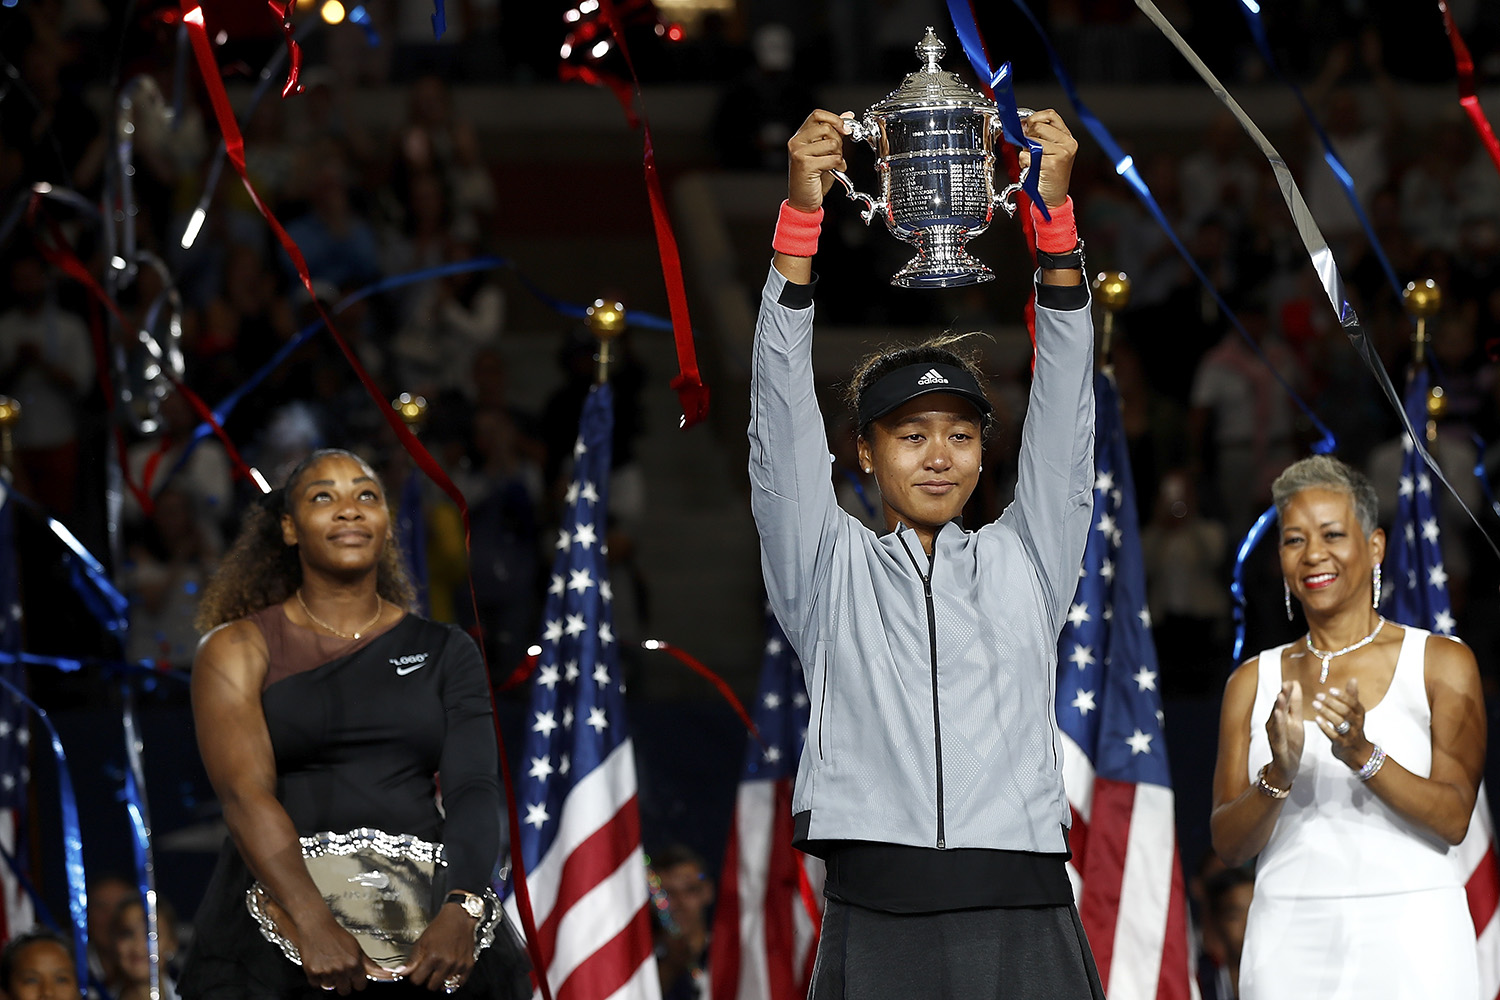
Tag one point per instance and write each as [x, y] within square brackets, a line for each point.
[323, 704]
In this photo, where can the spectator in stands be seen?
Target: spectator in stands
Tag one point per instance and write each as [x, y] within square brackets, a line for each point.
[38, 965]
[337, 242]
[170, 560]
[47, 364]
[682, 933]
[1184, 554]
[1226, 904]
[128, 936]
[106, 894]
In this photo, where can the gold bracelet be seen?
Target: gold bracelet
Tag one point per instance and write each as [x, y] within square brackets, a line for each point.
[1266, 788]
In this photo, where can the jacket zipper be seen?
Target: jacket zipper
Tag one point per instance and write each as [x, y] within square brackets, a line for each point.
[937, 719]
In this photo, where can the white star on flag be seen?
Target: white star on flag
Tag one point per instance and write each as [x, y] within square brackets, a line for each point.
[556, 587]
[585, 535]
[545, 723]
[1405, 488]
[552, 631]
[1437, 577]
[1082, 656]
[548, 676]
[596, 719]
[1078, 614]
[1444, 622]
[1084, 702]
[575, 625]
[1145, 679]
[601, 674]
[541, 768]
[771, 700]
[589, 493]
[1139, 742]
[579, 580]
[536, 814]
[1430, 529]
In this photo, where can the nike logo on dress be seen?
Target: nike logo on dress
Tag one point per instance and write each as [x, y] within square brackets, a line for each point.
[933, 377]
[407, 664]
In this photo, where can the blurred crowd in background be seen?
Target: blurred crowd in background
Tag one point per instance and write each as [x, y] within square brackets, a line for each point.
[1209, 425]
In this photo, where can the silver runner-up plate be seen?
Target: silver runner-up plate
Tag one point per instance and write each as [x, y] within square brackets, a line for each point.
[380, 889]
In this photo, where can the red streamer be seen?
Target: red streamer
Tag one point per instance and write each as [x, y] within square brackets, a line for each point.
[722, 686]
[234, 146]
[284, 9]
[692, 394]
[1467, 95]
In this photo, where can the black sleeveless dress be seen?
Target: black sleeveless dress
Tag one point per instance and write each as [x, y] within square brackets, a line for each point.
[358, 741]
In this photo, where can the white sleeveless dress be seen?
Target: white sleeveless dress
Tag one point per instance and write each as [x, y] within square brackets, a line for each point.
[1351, 900]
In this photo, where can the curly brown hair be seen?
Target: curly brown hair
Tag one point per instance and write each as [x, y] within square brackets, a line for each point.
[941, 349]
[260, 569]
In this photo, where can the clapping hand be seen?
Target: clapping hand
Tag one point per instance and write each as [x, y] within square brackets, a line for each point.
[1284, 730]
[1341, 716]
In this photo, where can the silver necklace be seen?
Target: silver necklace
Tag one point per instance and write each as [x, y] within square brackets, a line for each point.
[1325, 657]
[379, 607]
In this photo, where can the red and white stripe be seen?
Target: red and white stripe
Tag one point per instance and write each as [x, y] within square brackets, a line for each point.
[16, 914]
[588, 893]
[1128, 883]
[1476, 861]
[769, 903]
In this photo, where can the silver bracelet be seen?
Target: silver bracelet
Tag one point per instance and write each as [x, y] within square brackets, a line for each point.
[1376, 761]
[1266, 788]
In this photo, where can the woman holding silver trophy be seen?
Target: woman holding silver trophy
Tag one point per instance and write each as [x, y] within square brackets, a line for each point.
[330, 719]
[931, 777]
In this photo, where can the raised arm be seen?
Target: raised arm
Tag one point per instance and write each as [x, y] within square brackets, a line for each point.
[1443, 801]
[1243, 815]
[1055, 481]
[792, 494]
[235, 744]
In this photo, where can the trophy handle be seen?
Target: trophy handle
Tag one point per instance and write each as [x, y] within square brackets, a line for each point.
[873, 206]
[1006, 199]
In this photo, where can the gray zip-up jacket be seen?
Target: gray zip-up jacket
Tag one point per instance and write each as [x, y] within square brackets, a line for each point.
[931, 681]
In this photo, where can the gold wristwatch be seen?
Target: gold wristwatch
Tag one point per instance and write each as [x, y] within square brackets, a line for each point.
[473, 904]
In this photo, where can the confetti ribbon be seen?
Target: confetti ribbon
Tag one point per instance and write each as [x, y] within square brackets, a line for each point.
[1330, 155]
[698, 667]
[439, 19]
[1329, 277]
[1124, 165]
[283, 9]
[1467, 95]
[692, 394]
[78, 897]
[997, 83]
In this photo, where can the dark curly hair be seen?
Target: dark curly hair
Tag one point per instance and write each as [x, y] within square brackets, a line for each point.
[260, 569]
[941, 349]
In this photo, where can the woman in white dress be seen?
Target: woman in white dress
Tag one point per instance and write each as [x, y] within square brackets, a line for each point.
[1361, 777]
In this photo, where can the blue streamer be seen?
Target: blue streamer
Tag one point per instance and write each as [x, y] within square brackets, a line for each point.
[999, 82]
[87, 576]
[1125, 166]
[143, 668]
[1237, 581]
[361, 17]
[78, 897]
[439, 19]
[226, 406]
[1251, 10]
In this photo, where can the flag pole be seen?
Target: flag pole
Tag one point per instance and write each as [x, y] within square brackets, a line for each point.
[1423, 299]
[606, 321]
[1112, 288]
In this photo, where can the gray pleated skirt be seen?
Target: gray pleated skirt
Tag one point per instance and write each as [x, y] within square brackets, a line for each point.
[1024, 953]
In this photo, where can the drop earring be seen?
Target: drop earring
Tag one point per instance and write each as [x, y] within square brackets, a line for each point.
[1376, 605]
[1286, 593]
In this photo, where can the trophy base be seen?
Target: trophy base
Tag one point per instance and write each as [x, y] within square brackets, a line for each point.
[943, 261]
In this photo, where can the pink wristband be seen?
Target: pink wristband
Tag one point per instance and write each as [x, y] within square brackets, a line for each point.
[797, 231]
[1059, 235]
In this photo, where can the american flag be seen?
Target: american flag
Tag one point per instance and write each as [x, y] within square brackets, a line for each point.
[765, 933]
[1125, 870]
[1415, 592]
[581, 832]
[16, 913]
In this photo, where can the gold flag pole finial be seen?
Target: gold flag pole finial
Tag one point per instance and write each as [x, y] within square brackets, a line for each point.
[1112, 289]
[606, 321]
[1421, 299]
[413, 410]
[10, 415]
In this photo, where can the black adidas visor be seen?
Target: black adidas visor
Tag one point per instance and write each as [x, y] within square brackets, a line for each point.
[905, 384]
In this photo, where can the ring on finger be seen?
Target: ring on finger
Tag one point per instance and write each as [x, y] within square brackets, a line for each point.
[1342, 727]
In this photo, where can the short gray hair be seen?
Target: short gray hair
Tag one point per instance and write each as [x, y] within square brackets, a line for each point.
[1324, 472]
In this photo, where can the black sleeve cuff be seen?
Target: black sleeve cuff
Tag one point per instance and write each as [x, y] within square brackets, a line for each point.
[795, 296]
[1063, 298]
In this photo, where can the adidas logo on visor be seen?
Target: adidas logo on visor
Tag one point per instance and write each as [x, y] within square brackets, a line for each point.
[933, 377]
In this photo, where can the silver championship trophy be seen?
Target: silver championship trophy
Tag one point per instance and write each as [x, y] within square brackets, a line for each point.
[381, 888]
[935, 138]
